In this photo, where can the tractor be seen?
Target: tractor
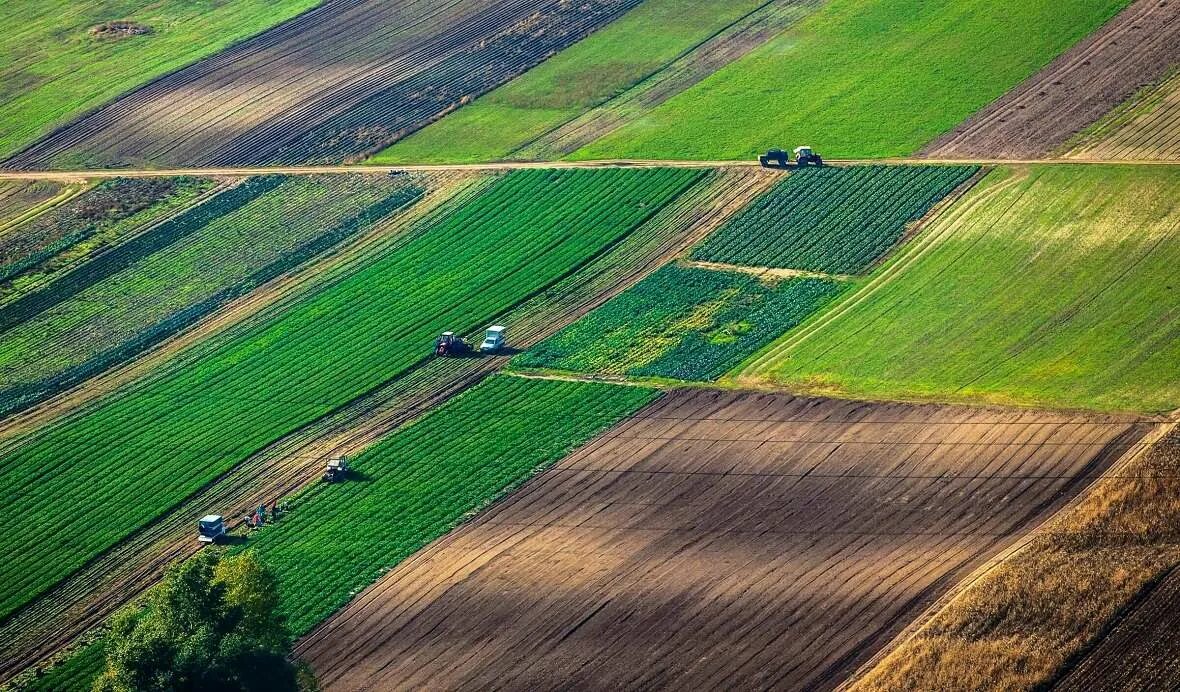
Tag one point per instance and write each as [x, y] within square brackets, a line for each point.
[449, 345]
[336, 470]
[777, 158]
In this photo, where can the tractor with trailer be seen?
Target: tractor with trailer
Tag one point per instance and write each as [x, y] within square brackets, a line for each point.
[777, 158]
[210, 528]
[336, 470]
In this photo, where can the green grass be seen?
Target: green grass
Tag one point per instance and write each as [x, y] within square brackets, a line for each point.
[1051, 286]
[682, 323]
[598, 68]
[861, 79]
[420, 481]
[832, 220]
[119, 464]
[52, 69]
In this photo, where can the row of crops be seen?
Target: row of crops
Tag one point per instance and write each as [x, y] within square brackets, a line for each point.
[151, 286]
[121, 463]
[51, 242]
[681, 322]
[838, 220]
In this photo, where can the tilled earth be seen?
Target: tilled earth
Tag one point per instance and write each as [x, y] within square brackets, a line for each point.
[717, 540]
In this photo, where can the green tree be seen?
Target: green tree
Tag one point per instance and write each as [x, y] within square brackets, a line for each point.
[213, 624]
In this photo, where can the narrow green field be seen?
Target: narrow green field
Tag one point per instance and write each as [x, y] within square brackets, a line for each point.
[832, 220]
[54, 68]
[681, 322]
[1051, 286]
[861, 79]
[119, 464]
[571, 82]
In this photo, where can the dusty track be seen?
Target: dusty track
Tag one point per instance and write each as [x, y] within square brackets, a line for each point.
[717, 540]
[87, 597]
[1135, 48]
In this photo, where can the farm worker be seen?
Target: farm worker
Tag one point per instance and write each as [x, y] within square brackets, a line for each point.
[274, 510]
[261, 513]
[246, 520]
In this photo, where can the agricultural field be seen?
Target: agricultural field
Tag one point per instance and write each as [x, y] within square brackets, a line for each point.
[60, 59]
[113, 307]
[716, 539]
[83, 600]
[832, 220]
[341, 81]
[861, 79]
[459, 271]
[32, 252]
[1146, 126]
[1046, 285]
[1086, 603]
[26, 197]
[681, 323]
[1139, 46]
[660, 46]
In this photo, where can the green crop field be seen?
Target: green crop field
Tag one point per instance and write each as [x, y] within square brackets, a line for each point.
[573, 81]
[149, 287]
[833, 220]
[681, 322]
[861, 79]
[118, 465]
[54, 68]
[1051, 286]
[420, 481]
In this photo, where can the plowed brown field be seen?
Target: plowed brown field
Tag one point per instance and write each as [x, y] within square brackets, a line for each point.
[1142, 652]
[717, 540]
[346, 78]
[1132, 50]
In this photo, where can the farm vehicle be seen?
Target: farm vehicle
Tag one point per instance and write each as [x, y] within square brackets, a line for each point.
[336, 470]
[777, 158]
[449, 345]
[210, 528]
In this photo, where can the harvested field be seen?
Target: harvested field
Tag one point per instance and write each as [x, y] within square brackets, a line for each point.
[85, 598]
[21, 197]
[1136, 48]
[342, 80]
[1147, 126]
[716, 539]
[1142, 652]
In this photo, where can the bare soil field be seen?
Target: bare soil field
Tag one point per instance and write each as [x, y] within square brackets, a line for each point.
[1141, 652]
[1147, 126]
[1133, 50]
[337, 82]
[90, 595]
[717, 539]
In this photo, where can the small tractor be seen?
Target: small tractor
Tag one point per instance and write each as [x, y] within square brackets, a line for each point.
[210, 528]
[449, 345]
[336, 470]
[777, 158]
[493, 340]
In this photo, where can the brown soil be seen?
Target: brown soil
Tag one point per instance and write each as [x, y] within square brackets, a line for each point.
[1132, 50]
[89, 596]
[717, 540]
[1142, 652]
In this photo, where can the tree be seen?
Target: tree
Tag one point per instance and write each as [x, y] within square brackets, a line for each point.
[213, 624]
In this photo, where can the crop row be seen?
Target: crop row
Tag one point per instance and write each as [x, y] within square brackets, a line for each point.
[120, 464]
[151, 287]
[99, 217]
[838, 220]
[680, 322]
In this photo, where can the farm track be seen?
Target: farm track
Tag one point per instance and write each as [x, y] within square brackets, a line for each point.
[86, 598]
[344, 79]
[1135, 48]
[1141, 652]
[724, 47]
[711, 537]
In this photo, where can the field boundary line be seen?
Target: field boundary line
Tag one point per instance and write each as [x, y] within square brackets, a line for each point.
[771, 273]
[915, 627]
